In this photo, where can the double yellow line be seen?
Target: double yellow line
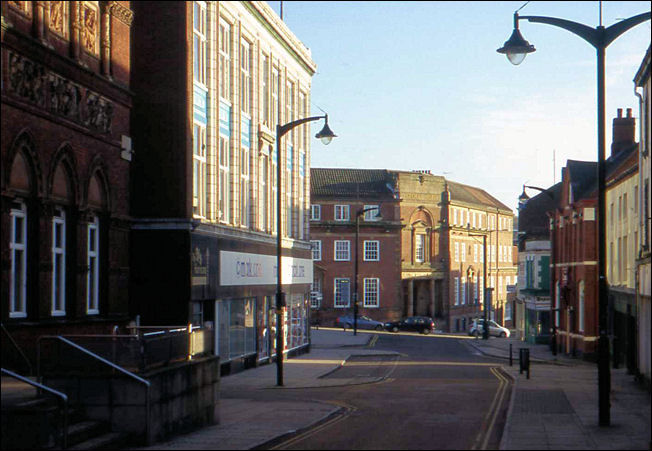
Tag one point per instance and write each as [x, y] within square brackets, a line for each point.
[490, 419]
[348, 410]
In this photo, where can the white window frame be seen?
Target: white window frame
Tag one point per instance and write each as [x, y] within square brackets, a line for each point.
[316, 250]
[456, 284]
[463, 290]
[315, 291]
[419, 247]
[338, 303]
[245, 76]
[371, 251]
[199, 171]
[371, 294]
[457, 251]
[224, 71]
[58, 280]
[463, 251]
[199, 36]
[345, 248]
[224, 179]
[244, 186]
[315, 212]
[93, 263]
[18, 250]
[371, 215]
[341, 213]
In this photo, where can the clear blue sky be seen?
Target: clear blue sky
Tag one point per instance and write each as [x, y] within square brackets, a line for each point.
[419, 85]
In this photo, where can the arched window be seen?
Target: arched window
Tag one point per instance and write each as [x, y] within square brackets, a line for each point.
[62, 197]
[97, 204]
[93, 263]
[18, 251]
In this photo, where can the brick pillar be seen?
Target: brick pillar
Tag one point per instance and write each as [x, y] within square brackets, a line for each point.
[410, 300]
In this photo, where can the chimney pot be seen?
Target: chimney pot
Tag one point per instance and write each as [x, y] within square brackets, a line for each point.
[629, 112]
[620, 112]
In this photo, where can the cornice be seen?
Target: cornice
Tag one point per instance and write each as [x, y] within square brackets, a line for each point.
[122, 13]
[272, 22]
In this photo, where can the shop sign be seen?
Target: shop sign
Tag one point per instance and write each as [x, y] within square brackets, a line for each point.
[200, 266]
[240, 268]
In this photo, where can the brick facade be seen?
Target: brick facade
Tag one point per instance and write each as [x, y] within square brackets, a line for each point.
[66, 108]
[422, 263]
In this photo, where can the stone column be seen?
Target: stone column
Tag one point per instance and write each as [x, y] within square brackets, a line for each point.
[105, 39]
[432, 297]
[39, 21]
[75, 30]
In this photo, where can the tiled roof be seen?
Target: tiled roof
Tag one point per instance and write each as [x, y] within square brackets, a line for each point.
[351, 183]
[584, 178]
[532, 218]
[473, 195]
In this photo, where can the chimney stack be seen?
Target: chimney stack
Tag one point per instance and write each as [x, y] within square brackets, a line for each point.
[624, 132]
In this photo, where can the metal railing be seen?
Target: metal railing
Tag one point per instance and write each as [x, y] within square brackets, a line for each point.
[59, 395]
[21, 354]
[84, 369]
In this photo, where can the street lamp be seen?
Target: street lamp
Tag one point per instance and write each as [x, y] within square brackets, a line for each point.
[553, 292]
[486, 302]
[326, 135]
[355, 279]
[600, 38]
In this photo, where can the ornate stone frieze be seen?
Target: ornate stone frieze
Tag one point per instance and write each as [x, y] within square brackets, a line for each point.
[89, 30]
[123, 14]
[65, 97]
[31, 82]
[58, 17]
[23, 7]
[27, 79]
[99, 113]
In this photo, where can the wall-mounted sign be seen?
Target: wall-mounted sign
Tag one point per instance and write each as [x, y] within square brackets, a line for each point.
[239, 268]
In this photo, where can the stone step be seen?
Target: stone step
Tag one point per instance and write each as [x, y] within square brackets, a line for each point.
[110, 440]
[85, 430]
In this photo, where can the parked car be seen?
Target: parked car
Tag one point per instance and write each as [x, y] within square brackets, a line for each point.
[423, 324]
[495, 329]
[364, 322]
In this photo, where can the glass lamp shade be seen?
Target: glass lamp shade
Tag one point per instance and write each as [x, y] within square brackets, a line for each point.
[516, 48]
[516, 58]
[326, 135]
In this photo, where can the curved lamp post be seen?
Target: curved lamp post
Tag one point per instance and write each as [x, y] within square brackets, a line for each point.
[516, 48]
[326, 135]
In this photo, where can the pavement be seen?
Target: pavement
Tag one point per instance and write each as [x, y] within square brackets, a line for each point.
[555, 408]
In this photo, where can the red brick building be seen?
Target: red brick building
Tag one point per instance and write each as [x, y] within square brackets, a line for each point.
[430, 241]
[337, 196]
[66, 107]
[575, 265]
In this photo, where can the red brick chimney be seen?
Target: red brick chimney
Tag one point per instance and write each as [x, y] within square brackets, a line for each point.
[624, 132]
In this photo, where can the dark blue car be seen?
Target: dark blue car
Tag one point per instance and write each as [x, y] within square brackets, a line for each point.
[364, 322]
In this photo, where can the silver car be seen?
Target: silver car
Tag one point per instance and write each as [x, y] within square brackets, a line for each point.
[477, 328]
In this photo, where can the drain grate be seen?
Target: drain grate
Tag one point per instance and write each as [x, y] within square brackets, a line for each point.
[363, 366]
[541, 402]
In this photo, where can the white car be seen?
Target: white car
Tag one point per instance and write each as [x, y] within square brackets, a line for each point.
[477, 328]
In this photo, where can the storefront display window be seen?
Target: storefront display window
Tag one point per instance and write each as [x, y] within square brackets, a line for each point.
[236, 328]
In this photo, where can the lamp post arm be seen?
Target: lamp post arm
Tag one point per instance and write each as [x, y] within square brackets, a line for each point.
[545, 191]
[591, 35]
[283, 129]
[598, 37]
[619, 28]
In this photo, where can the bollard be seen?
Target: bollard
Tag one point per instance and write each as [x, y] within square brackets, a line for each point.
[510, 354]
[526, 361]
[520, 360]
